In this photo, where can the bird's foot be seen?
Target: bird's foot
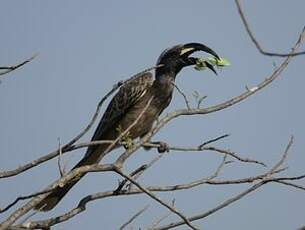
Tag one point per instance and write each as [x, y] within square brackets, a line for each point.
[162, 148]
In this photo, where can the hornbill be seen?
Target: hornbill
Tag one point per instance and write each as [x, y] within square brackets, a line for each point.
[127, 105]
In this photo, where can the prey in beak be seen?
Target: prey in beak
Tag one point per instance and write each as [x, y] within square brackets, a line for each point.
[190, 48]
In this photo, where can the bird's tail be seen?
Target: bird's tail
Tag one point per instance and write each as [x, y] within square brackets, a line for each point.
[55, 196]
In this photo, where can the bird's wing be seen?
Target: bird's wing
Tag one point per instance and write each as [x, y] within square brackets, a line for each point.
[129, 93]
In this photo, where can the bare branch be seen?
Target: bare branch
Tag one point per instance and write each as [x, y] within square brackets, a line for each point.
[49, 156]
[61, 182]
[292, 178]
[140, 170]
[134, 217]
[220, 206]
[226, 203]
[209, 181]
[8, 69]
[132, 174]
[213, 140]
[253, 39]
[24, 198]
[59, 161]
[208, 148]
[291, 184]
[234, 155]
[100, 195]
[144, 190]
[281, 161]
[183, 95]
[144, 167]
[266, 179]
[162, 218]
[82, 204]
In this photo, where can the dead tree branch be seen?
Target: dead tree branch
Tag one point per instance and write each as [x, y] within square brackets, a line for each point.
[210, 180]
[24, 198]
[62, 181]
[208, 148]
[267, 179]
[7, 69]
[150, 194]
[134, 217]
[253, 39]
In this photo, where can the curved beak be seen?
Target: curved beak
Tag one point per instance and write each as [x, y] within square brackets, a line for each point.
[190, 48]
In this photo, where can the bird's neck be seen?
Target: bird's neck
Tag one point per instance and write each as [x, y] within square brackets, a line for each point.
[164, 83]
[165, 78]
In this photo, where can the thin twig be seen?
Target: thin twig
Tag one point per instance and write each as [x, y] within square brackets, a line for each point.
[208, 148]
[24, 198]
[283, 158]
[59, 161]
[253, 39]
[213, 140]
[234, 155]
[220, 206]
[8, 69]
[291, 184]
[134, 217]
[183, 95]
[143, 189]
[132, 174]
[219, 168]
[162, 218]
[147, 166]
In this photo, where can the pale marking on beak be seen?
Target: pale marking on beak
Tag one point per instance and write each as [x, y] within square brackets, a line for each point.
[186, 50]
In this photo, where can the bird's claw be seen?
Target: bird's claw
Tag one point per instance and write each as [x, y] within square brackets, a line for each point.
[163, 147]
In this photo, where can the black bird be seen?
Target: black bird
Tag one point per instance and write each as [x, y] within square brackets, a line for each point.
[126, 106]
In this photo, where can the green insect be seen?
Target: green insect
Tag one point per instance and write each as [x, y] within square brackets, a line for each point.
[203, 63]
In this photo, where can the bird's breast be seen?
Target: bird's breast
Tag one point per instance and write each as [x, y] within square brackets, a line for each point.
[143, 114]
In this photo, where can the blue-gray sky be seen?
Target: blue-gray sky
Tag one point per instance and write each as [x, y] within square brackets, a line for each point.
[86, 46]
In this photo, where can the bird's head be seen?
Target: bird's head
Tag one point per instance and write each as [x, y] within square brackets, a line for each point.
[175, 58]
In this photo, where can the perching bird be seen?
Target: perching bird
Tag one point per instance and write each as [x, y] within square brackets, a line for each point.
[127, 105]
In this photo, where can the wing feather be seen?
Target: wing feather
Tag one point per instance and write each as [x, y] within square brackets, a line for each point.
[129, 94]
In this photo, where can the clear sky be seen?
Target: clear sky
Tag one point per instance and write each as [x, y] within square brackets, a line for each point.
[86, 46]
